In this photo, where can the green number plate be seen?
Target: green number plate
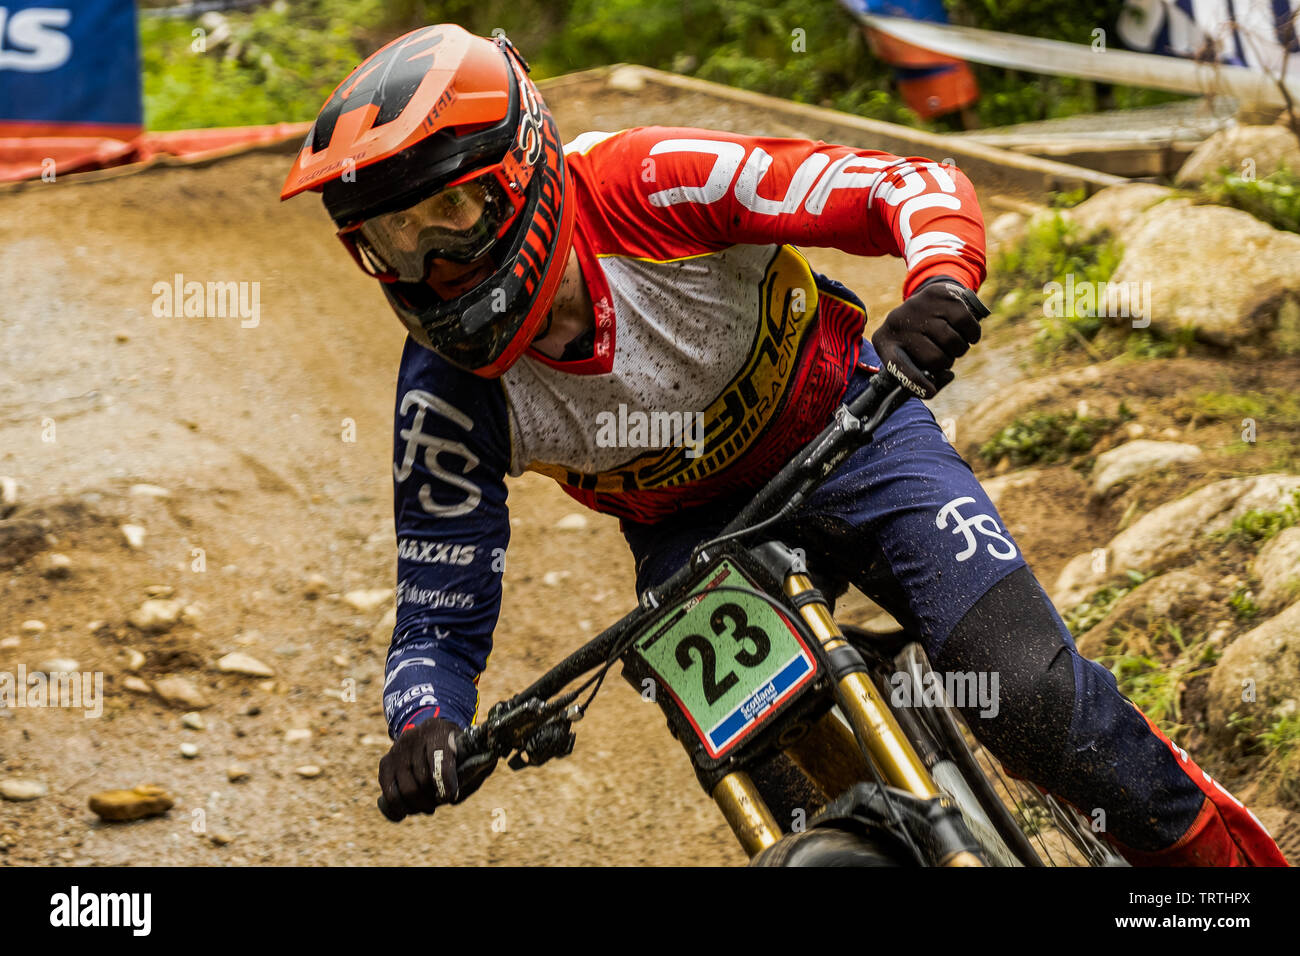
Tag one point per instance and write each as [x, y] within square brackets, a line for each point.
[729, 657]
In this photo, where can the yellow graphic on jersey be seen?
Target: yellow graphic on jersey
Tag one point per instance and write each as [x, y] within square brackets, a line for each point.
[788, 301]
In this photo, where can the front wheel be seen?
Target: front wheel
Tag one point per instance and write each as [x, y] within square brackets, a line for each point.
[825, 846]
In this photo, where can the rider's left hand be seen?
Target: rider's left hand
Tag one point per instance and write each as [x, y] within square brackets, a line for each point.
[919, 340]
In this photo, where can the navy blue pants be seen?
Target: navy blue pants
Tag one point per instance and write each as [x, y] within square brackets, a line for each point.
[905, 520]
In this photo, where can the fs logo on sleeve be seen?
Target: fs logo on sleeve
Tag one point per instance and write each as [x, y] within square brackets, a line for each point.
[415, 438]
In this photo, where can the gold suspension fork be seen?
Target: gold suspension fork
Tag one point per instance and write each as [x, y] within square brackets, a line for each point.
[867, 712]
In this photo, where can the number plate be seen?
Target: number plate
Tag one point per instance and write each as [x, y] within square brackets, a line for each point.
[729, 656]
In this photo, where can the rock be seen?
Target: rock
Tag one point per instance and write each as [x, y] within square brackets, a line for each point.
[382, 632]
[1134, 430]
[192, 615]
[626, 79]
[1267, 657]
[1264, 147]
[308, 770]
[375, 740]
[180, 692]
[134, 659]
[147, 800]
[58, 665]
[8, 495]
[1134, 458]
[156, 615]
[159, 590]
[1172, 596]
[554, 578]
[148, 491]
[9, 643]
[1277, 567]
[221, 839]
[137, 685]
[193, 720]
[997, 411]
[1171, 534]
[237, 773]
[295, 734]
[19, 790]
[57, 565]
[20, 538]
[238, 662]
[572, 522]
[1229, 301]
[1114, 208]
[33, 627]
[995, 488]
[367, 601]
[314, 587]
[1006, 229]
[189, 751]
[134, 535]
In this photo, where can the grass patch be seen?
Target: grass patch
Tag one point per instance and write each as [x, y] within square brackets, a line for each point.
[1274, 199]
[1157, 687]
[1046, 437]
[1242, 603]
[1270, 405]
[1259, 524]
[1088, 614]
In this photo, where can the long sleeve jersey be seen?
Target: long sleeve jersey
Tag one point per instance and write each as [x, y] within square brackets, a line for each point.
[718, 353]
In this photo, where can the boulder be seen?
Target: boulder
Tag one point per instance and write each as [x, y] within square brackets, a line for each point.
[1266, 147]
[1115, 208]
[1134, 458]
[1003, 407]
[1172, 534]
[1174, 263]
[995, 488]
[1277, 567]
[1173, 596]
[1263, 663]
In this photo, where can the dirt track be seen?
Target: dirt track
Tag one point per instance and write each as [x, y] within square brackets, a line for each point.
[245, 428]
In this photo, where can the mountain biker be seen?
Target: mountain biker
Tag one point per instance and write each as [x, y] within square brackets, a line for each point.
[546, 287]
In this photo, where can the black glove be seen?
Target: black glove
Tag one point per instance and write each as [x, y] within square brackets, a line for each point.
[919, 340]
[419, 773]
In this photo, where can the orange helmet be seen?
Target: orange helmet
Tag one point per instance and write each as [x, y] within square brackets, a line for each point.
[439, 145]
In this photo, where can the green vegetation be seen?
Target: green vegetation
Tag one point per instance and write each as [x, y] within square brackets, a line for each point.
[1045, 437]
[1278, 744]
[1243, 604]
[1086, 615]
[283, 59]
[1274, 199]
[1157, 686]
[1277, 405]
[1259, 524]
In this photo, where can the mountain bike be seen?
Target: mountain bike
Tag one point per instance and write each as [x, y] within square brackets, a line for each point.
[786, 716]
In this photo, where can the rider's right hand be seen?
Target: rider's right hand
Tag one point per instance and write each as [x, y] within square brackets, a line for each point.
[418, 774]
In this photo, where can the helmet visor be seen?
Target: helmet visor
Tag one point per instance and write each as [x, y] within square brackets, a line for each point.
[458, 223]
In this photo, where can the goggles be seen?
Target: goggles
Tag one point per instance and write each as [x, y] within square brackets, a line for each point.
[458, 223]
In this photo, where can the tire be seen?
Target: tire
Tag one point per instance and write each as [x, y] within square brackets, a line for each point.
[937, 734]
[825, 846]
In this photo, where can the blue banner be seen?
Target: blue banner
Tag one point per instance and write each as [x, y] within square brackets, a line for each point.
[73, 62]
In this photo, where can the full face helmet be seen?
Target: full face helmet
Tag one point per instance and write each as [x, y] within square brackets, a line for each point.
[439, 146]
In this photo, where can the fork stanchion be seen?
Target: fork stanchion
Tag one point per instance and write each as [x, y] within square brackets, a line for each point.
[748, 816]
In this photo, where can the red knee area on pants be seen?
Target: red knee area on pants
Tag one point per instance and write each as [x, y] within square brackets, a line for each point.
[1224, 832]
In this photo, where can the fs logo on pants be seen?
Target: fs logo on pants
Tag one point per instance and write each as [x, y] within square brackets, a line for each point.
[984, 524]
